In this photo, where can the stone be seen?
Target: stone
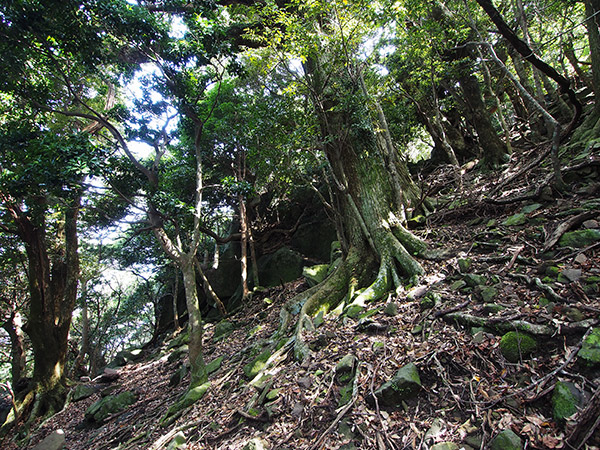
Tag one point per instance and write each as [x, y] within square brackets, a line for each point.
[506, 440]
[474, 280]
[590, 350]
[280, 267]
[464, 265]
[458, 285]
[344, 370]
[257, 364]
[124, 357]
[214, 365]
[178, 441]
[315, 274]
[222, 330]
[444, 446]
[572, 274]
[256, 444]
[82, 391]
[405, 384]
[566, 399]
[488, 293]
[515, 345]
[54, 441]
[591, 224]
[527, 209]
[391, 309]
[107, 376]
[581, 259]
[106, 406]
[579, 238]
[515, 220]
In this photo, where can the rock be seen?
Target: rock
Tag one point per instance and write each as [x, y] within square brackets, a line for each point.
[304, 382]
[255, 366]
[581, 259]
[405, 384]
[344, 370]
[176, 378]
[124, 357]
[82, 391]
[579, 238]
[315, 274]
[222, 330]
[179, 353]
[108, 376]
[591, 224]
[474, 280]
[590, 350]
[527, 209]
[391, 309]
[194, 394]
[488, 293]
[565, 400]
[506, 440]
[458, 285]
[515, 345]
[214, 365]
[298, 410]
[572, 274]
[103, 408]
[515, 220]
[280, 267]
[444, 446]
[464, 265]
[54, 441]
[178, 441]
[256, 444]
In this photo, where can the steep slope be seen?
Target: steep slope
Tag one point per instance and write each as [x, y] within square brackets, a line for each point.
[530, 266]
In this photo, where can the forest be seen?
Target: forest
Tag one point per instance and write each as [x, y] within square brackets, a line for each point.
[300, 224]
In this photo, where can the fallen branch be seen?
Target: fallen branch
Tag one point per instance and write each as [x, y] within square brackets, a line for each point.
[499, 325]
[536, 282]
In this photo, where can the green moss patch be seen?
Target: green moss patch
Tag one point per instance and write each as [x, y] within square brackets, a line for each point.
[515, 345]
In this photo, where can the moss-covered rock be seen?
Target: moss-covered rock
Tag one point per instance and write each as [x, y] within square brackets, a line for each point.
[474, 280]
[405, 384]
[82, 391]
[178, 441]
[515, 220]
[111, 404]
[256, 444]
[188, 399]
[515, 345]
[257, 364]
[464, 265]
[565, 400]
[444, 446]
[344, 370]
[222, 330]
[214, 365]
[280, 267]
[590, 350]
[579, 238]
[506, 440]
[315, 274]
[488, 293]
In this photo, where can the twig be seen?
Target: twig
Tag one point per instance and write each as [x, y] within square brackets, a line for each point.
[343, 411]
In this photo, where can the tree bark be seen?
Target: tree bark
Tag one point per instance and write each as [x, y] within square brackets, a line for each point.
[592, 12]
[14, 328]
[494, 150]
[53, 292]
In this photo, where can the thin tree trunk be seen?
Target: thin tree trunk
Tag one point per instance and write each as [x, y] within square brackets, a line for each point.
[176, 323]
[592, 12]
[14, 328]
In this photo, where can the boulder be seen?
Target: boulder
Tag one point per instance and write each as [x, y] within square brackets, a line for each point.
[405, 384]
[82, 391]
[566, 399]
[280, 267]
[506, 440]
[590, 350]
[106, 406]
[515, 345]
[222, 330]
[54, 441]
[579, 238]
[315, 274]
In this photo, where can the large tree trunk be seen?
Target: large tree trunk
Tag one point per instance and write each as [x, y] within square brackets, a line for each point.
[494, 150]
[592, 23]
[367, 198]
[53, 292]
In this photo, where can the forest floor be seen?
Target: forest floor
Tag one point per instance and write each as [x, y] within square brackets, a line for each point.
[506, 270]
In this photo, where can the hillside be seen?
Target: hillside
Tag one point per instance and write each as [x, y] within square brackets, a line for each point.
[500, 267]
